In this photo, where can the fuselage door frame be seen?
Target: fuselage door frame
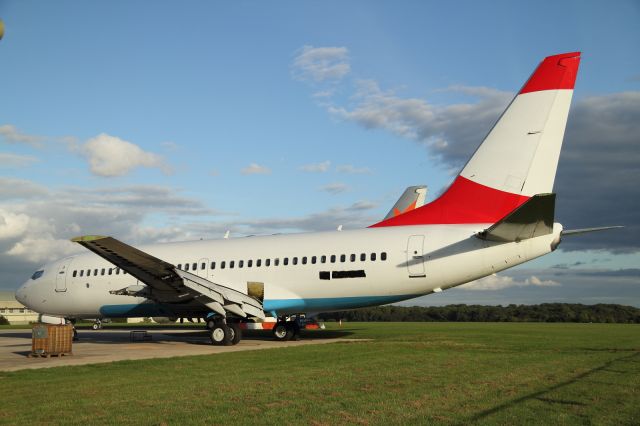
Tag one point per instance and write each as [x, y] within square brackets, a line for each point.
[61, 275]
[415, 256]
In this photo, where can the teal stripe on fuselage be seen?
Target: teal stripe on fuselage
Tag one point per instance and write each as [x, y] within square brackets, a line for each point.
[279, 306]
[291, 306]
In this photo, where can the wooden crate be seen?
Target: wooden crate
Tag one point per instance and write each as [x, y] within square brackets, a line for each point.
[51, 339]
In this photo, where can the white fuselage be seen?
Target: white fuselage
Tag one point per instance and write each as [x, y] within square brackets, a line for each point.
[410, 261]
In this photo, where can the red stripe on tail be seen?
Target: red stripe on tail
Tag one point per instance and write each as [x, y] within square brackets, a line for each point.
[554, 72]
[464, 202]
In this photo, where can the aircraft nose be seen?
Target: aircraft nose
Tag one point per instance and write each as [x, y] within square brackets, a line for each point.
[21, 294]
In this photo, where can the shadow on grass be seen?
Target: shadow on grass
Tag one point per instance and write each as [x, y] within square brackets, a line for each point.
[540, 394]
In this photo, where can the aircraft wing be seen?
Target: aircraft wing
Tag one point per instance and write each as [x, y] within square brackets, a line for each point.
[166, 283]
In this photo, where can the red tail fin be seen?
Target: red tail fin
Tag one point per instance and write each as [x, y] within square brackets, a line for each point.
[517, 159]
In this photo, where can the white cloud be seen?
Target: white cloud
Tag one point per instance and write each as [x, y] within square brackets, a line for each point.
[321, 63]
[16, 160]
[352, 170]
[499, 282]
[255, 169]
[19, 188]
[335, 188]
[12, 135]
[316, 168]
[12, 225]
[439, 127]
[111, 156]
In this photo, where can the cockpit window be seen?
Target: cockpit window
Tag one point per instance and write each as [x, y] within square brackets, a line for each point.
[37, 274]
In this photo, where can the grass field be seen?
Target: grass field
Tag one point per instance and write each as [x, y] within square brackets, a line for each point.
[415, 373]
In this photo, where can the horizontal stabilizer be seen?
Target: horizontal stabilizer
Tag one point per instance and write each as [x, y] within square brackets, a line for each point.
[532, 219]
[587, 230]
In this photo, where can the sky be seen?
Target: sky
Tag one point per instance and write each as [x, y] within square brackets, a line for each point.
[168, 121]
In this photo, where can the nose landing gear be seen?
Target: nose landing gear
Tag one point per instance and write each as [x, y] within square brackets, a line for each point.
[286, 330]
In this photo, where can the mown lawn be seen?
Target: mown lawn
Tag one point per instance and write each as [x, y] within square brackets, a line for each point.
[413, 373]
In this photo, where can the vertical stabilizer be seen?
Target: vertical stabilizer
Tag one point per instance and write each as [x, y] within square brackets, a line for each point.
[516, 160]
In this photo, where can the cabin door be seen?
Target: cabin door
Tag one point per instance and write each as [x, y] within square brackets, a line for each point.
[415, 256]
[61, 276]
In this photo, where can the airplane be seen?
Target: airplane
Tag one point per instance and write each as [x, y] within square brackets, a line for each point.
[497, 213]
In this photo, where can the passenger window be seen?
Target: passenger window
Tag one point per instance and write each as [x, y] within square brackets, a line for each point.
[333, 258]
[186, 266]
[102, 271]
[383, 256]
[240, 263]
[286, 261]
[223, 264]
[249, 263]
[213, 265]
[117, 271]
[194, 266]
[373, 257]
[124, 272]
[179, 266]
[95, 272]
[304, 260]
[110, 271]
[203, 266]
[75, 273]
[88, 272]
[295, 260]
[258, 263]
[363, 257]
[353, 257]
[323, 259]
[343, 258]
[267, 262]
[82, 273]
[313, 260]
[276, 261]
[232, 263]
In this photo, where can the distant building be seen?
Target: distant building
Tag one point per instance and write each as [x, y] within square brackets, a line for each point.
[14, 311]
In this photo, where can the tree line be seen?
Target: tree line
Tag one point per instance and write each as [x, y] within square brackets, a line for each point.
[546, 312]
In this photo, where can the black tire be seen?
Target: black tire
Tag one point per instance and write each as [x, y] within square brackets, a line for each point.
[294, 329]
[283, 331]
[211, 324]
[221, 335]
[237, 333]
[96, 326]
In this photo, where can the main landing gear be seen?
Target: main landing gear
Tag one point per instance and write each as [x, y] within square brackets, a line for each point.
[286, 330]
[225, 334]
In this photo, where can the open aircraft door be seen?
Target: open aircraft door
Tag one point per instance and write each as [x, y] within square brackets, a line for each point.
[61, 276]
[415, 256]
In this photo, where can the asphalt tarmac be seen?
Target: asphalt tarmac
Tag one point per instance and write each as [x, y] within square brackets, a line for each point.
[110, 345]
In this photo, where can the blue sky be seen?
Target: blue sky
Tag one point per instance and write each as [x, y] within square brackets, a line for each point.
[156, 121]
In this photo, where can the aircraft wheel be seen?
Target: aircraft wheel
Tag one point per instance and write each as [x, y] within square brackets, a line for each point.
[295, 329]
[237, 333]
[211, 324]
[221, 335]
[283, 331]
[96, 326]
